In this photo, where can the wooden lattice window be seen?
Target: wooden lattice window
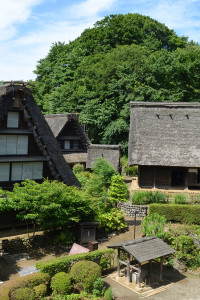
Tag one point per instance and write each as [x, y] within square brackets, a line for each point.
[13, 119]
[13, 144]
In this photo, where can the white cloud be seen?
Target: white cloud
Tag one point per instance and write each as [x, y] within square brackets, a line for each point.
[14, 12]
[91, 8]
[180, 15]
[22, 53]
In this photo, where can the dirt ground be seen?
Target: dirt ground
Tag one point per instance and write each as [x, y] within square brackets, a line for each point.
[182, 287]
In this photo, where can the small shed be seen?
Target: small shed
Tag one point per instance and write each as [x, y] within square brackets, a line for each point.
[110, 152]
[142, 250]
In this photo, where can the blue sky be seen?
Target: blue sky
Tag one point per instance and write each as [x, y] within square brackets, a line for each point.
[28, 28]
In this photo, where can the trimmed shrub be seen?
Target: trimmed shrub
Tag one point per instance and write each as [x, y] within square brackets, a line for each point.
[108, 294]
[180, 199]
[40, 291]
[85, 273]
[177, 212]
[27, 281]
[22, 293]
[148, 197]
[63, 264]
[61, 283]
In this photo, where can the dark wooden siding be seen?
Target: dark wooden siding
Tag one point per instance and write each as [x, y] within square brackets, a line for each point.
[146, 176]
[163, 177]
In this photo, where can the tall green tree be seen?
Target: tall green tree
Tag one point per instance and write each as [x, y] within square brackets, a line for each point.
[122, 58]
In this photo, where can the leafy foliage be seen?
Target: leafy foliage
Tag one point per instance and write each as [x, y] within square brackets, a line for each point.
[118, 190]
[50, 204]
[126, 169]
[98, 287]
[23, 293]
[112, 220]
[61, 283]
[85, 273]
[122, 58]
[108, 294]
[104, 169]
[63, 264]
[148, 197]
[154, 225]
[184, 239]
[180, 199]
[40, 291]
[78, 168]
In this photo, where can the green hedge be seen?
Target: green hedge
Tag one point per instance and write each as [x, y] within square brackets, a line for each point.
[63, 264]
[177, 213]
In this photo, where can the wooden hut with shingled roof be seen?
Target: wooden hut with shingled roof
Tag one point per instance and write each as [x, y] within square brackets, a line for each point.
[28, 148]
[164, 142]
[141, 251]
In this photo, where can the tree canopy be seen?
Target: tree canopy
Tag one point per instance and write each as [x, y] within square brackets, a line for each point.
[122, 58]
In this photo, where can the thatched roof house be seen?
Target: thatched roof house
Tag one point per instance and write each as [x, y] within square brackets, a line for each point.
[110, 152]
[70, 136]
[28, 146]
[164, 142]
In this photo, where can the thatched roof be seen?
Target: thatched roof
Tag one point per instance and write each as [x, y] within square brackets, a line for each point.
[110, 152]
[76, 158]
[57, 123]
[145, 249]
[164, 134]
[42, 133]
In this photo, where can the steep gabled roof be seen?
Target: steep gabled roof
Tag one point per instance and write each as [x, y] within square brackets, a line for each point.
[57, 123]
[42, 133]
[145, 249]
[164, 134]
[110, 152]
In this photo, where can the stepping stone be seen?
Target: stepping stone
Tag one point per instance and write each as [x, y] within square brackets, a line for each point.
[27, 270]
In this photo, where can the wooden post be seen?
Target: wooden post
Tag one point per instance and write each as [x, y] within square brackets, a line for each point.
[139, 275]
[118, 263]
[128, 268]
[161, 269]
[150, 267]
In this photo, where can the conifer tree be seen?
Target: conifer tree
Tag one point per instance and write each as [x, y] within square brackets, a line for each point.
[118, 191]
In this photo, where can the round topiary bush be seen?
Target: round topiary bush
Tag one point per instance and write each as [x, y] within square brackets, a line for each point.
[23, 294]
[40, 291]
[85, 273]
[61, 283]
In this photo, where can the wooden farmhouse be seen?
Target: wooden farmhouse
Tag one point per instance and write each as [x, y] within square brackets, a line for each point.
[71, 138]
[110, 152]
[75, 144]
[28, 148]
[164, 141]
